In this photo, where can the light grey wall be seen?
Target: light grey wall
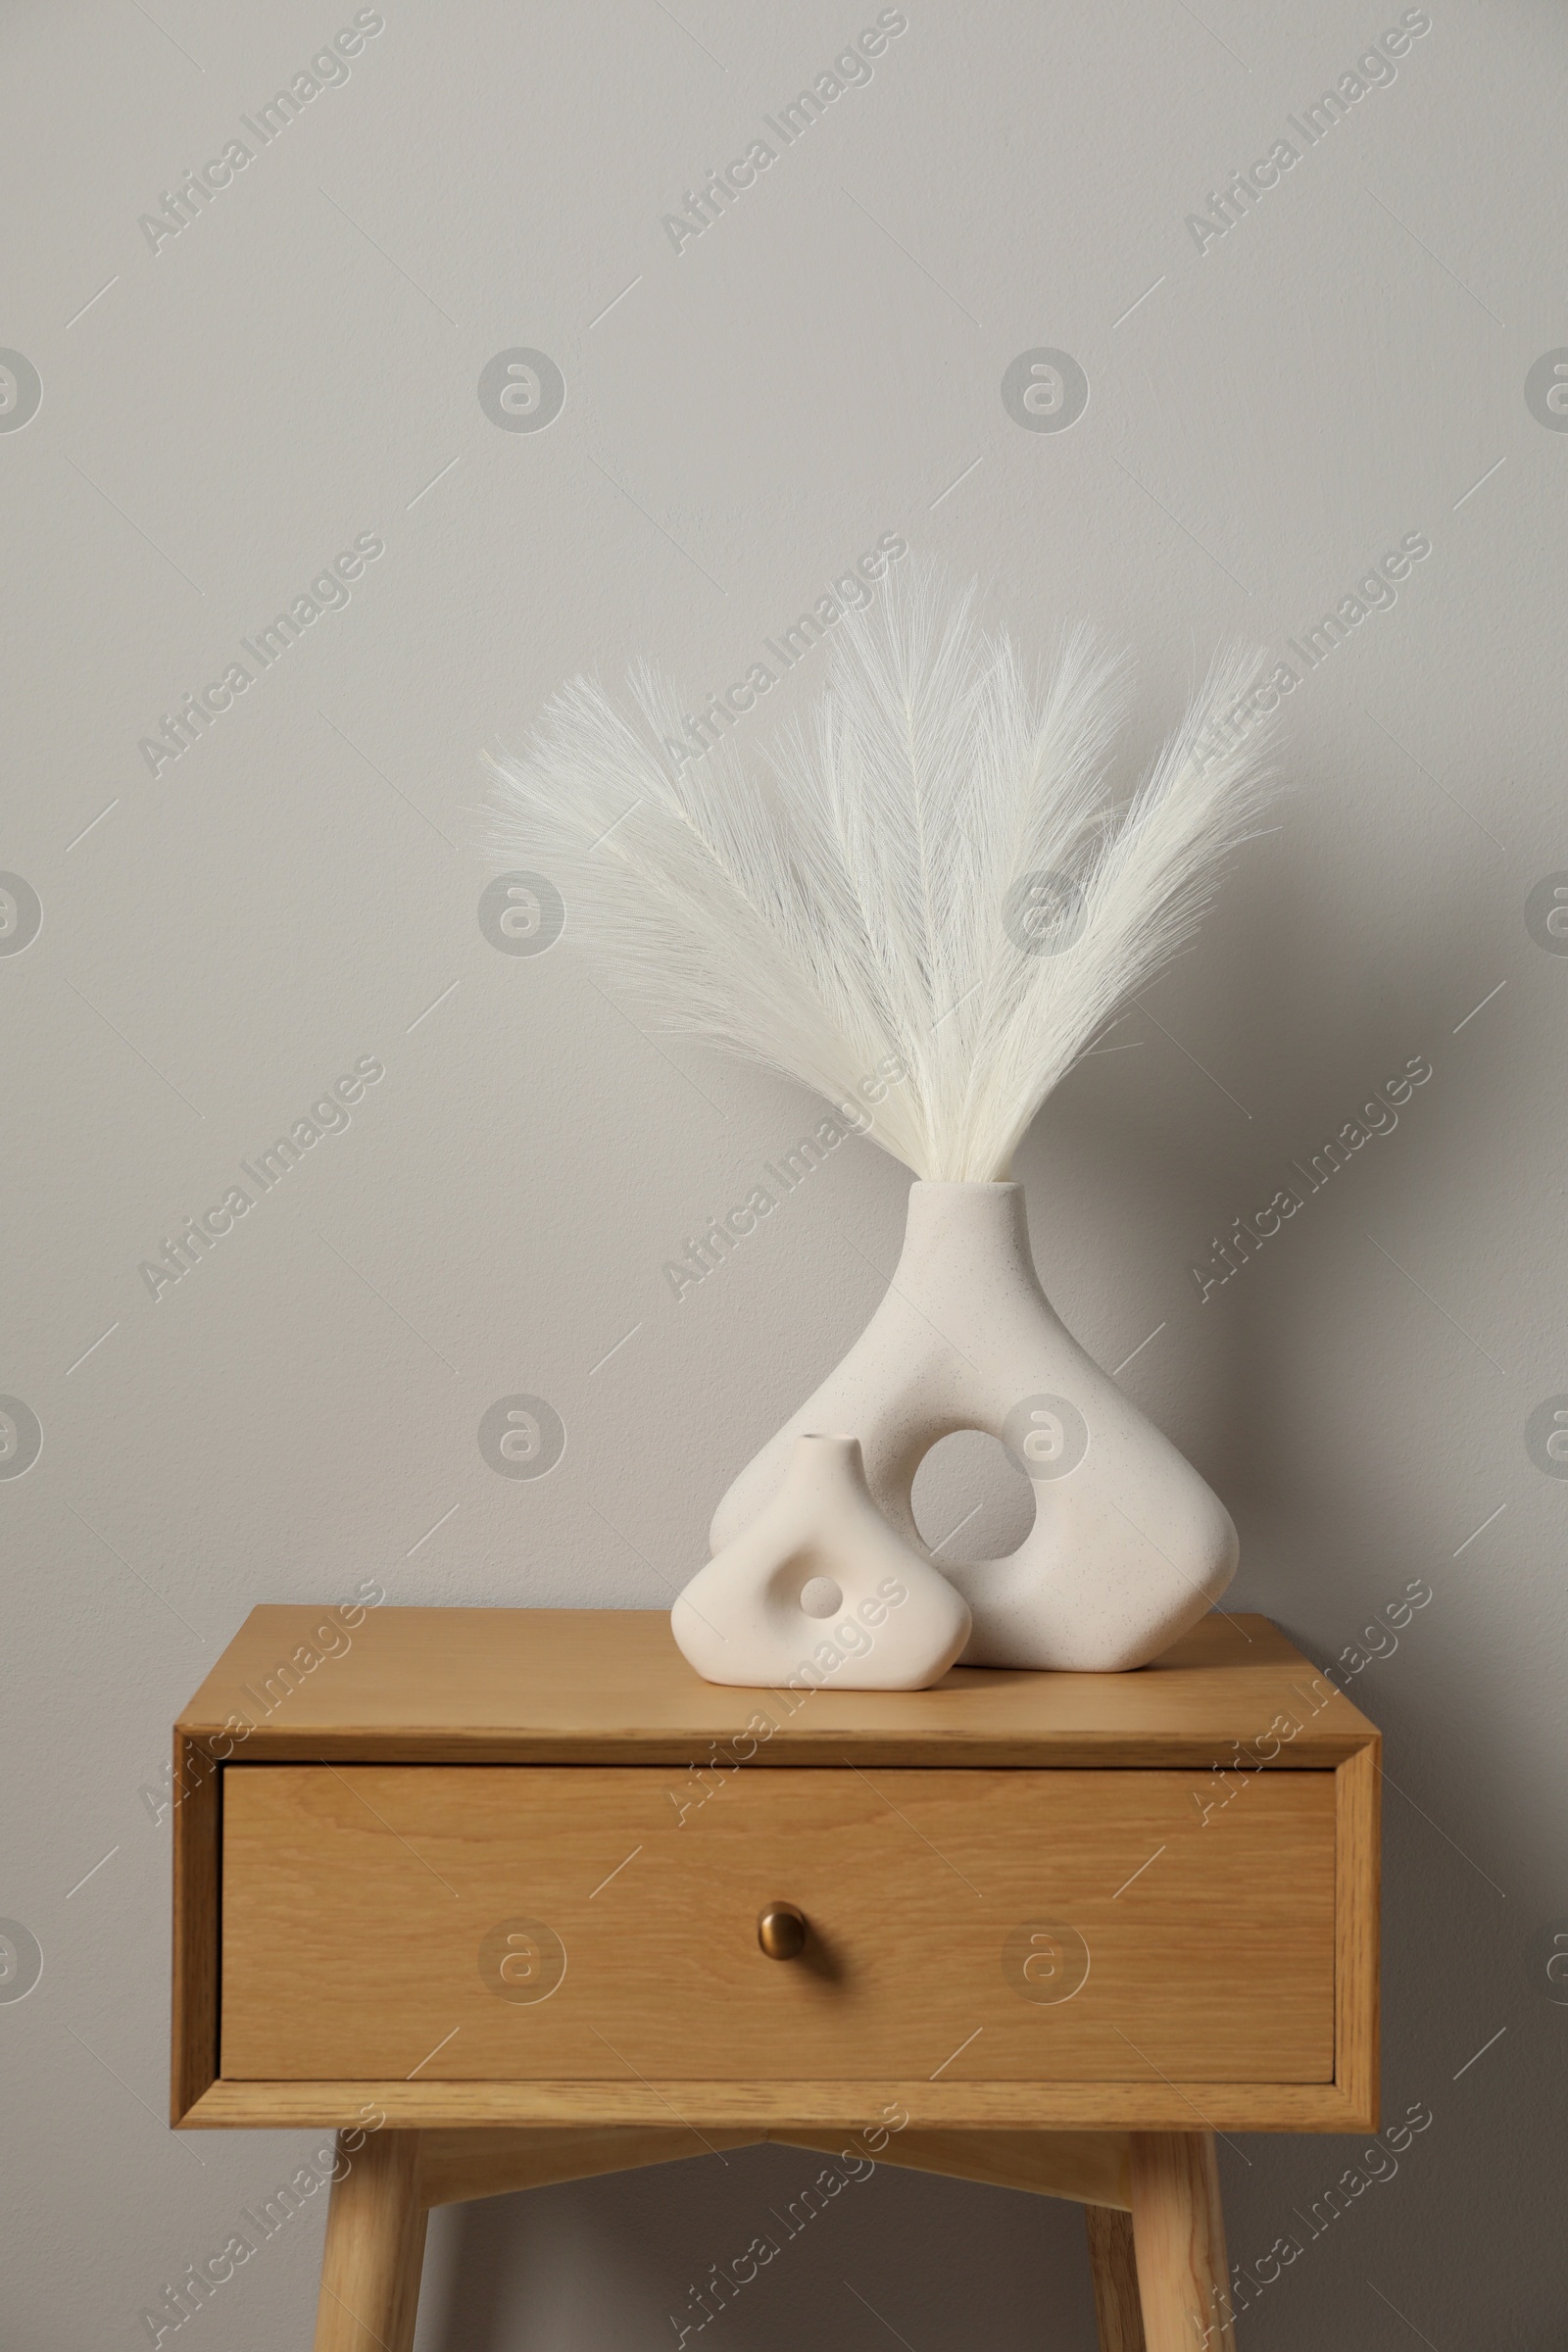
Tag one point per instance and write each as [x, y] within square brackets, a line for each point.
[1270, 411]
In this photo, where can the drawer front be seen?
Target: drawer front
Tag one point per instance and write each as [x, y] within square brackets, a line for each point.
[541, 1923]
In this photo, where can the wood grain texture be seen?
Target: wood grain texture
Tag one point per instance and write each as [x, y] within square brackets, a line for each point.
[765, 2104]
[608, 1686]
[473, 1686]
[1087, 2167]
[374, 2248]
[1006, 1927]
[1358, 1874]
[1114, 2267]
[1179, 2234]
[195, 1799]
[461, 2165]
[1084, 2167]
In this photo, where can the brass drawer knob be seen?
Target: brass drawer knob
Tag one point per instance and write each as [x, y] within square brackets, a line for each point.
[781, 1931]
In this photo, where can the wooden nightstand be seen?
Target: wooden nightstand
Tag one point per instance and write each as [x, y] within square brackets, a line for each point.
[481, 1890]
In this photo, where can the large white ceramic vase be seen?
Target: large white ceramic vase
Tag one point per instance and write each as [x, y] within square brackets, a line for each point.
[1129, 1546]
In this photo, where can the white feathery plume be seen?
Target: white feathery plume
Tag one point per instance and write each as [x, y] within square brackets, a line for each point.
[927, 869]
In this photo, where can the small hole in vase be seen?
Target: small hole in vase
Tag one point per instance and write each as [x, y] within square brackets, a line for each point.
[822, 1598]
[971, 1500]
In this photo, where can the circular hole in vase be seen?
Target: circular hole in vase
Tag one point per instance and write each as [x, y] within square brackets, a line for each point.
[971, 1500]
[820, 1596]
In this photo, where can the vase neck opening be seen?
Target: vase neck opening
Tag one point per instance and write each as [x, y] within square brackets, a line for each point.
[967, 1209]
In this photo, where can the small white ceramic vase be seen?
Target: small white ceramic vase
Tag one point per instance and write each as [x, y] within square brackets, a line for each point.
[1129, 1546]
[817, 1591]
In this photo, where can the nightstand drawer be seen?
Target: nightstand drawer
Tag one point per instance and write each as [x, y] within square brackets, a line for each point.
[540, 1923]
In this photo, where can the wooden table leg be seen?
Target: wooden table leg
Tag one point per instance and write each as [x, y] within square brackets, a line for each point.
[1115, 2275]
[1179, 2233]
[374, 2248]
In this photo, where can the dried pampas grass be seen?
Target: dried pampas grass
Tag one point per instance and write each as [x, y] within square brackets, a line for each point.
[926, 869]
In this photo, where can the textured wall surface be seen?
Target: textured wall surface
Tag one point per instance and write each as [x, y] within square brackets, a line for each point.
[209, 397]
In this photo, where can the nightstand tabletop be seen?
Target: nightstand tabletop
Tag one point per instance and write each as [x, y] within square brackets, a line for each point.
[608, 1686]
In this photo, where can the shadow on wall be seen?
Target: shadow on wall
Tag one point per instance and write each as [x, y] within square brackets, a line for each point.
[1173, 1163]
[1296, 1390]
[627, 2262]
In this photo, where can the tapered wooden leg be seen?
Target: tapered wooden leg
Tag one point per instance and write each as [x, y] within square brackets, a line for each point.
[1179, 2233]
[1115, 2275]
[374, 2248]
